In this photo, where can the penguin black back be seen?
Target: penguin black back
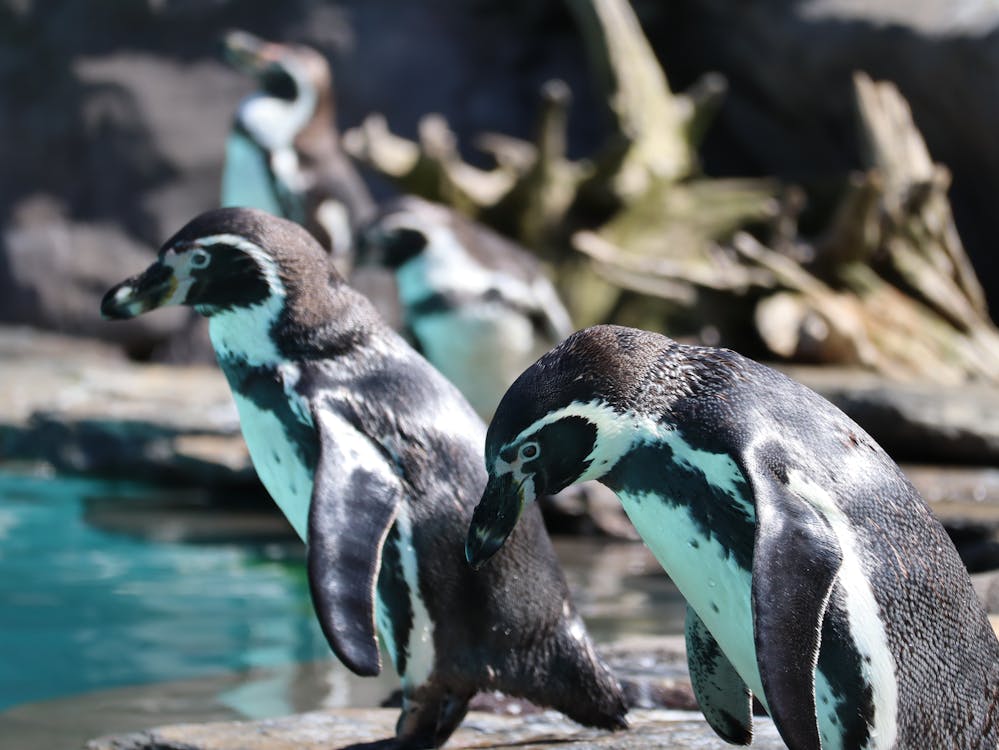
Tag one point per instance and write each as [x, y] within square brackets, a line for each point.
[815, 575]
[375, 459]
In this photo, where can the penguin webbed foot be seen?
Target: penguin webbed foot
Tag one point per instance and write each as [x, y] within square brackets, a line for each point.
[428, 719]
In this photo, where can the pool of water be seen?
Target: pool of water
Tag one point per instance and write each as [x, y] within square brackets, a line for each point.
[124, 606]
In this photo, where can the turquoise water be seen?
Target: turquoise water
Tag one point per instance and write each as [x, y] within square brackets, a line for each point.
[124, 606]
[83, 609]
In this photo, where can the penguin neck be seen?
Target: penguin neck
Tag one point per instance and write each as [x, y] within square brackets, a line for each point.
[324, 321]
[318, 137]
[274, 123]
[243, 334]
[314, 316]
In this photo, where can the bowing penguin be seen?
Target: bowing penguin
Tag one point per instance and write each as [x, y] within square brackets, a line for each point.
[815, 576]
[283, 154]
[375, 459]
[476, 304]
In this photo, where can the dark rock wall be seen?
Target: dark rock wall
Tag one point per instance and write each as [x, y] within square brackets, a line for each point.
[113, 113]
[790, 113]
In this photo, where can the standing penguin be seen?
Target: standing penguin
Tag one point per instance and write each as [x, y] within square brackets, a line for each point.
[283, 154]
[376, 461]
[816, 578]
[478, 306]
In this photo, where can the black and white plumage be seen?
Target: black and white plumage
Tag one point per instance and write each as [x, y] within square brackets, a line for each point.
[283, 154]
[477, 305]
[816, 577]
[376, 461]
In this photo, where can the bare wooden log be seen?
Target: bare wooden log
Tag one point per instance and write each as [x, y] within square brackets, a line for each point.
[915, 191]
[672, 232]
[855, 230]
[822, 325]
[432, 168]
[657, 131]
[890, 278]
[667, 277]
[647, 114]
[535, 186]
[534, 209]
[888, 286]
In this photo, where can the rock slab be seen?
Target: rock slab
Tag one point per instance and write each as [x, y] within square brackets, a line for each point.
[914, 422]
[81, 407]
[342, 728]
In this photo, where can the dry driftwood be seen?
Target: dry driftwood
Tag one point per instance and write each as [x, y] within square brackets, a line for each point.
[887, 286]
[898, 291]
[644, 178]
[534, 186]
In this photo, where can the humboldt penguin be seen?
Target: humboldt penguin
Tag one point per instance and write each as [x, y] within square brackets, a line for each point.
[283, 154]
[476, 304]
[815, 576]
[375, 458]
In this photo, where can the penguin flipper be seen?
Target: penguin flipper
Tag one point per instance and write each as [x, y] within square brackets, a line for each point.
[355, 499]
[796, 560]
[725, 701]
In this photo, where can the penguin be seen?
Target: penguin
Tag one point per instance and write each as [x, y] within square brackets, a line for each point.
[476, 304]
[283, 153]
[816, 578]
[375, 459]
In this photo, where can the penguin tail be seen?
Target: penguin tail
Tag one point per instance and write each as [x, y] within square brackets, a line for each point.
[594, 696]
[566, 674]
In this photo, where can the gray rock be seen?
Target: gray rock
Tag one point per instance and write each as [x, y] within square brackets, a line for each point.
[987, 588]
[961, 496]
[341, 728]
[115, 121]
[914, 422]
[80, 406]
[966, 500]
[789, 109]
[54, 273]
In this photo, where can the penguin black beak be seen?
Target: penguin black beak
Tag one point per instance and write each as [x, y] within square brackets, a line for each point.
[244, 51]
[152, 288]
[494, 519]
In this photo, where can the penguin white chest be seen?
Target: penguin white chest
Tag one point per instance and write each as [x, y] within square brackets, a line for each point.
[246, 177]
[277, 461]
[708, 576]
[481, 348]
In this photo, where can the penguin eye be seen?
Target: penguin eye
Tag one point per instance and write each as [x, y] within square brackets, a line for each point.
[199, 258]
[529, 451]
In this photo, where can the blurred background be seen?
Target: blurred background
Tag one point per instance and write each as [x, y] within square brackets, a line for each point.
[811, 182]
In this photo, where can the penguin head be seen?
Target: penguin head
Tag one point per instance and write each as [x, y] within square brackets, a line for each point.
[404, 230]
[222, 260]
[567, 418]
[294, 88]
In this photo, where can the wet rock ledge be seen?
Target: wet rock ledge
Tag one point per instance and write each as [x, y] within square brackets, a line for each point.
[343, 728]
[81, 406]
